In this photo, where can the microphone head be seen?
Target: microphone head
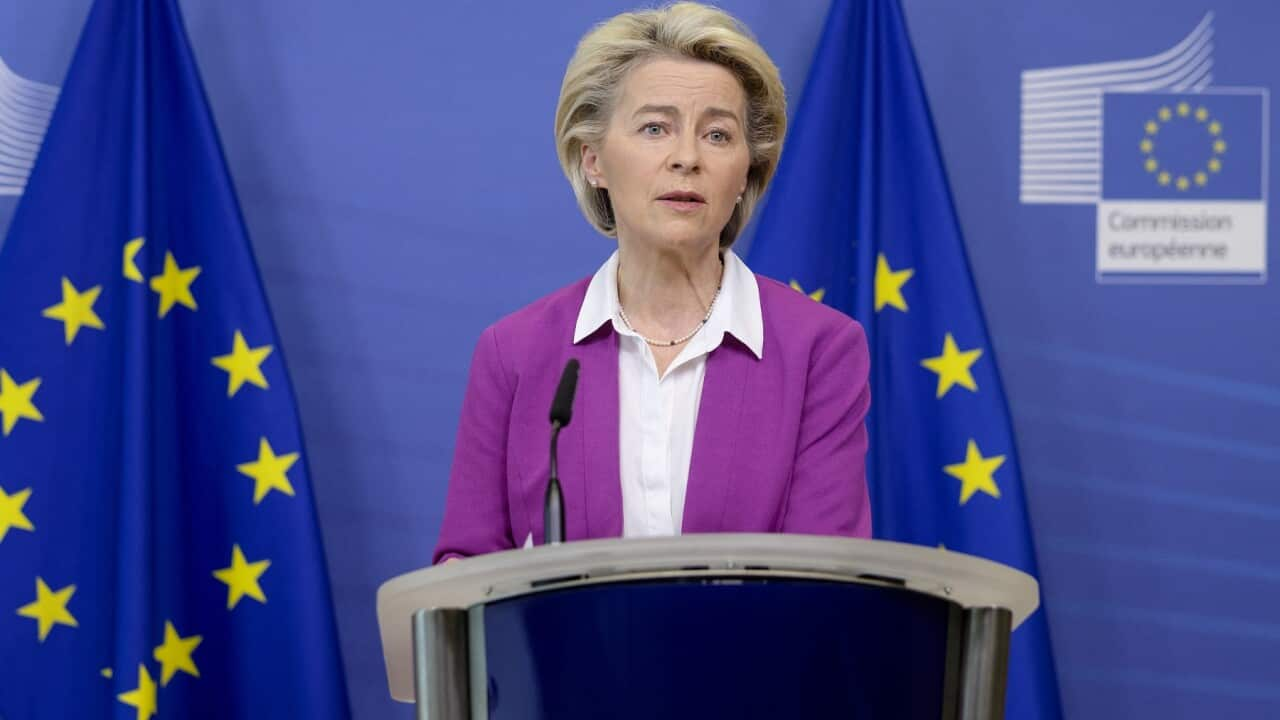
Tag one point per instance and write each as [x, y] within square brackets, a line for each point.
[562, 406]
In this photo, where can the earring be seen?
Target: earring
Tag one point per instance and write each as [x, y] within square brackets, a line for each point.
[593, 182]
[739, 199]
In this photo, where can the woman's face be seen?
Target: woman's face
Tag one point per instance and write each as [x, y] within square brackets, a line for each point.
[675, 156]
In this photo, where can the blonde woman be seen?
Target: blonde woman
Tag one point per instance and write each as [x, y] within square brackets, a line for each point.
[710, 399]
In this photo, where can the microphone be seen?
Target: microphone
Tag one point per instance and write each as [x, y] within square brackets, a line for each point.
[561, 414]
[562, 405]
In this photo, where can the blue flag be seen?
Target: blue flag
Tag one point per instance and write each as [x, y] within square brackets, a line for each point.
[860, 217]
[1183, 146]
[159, 553]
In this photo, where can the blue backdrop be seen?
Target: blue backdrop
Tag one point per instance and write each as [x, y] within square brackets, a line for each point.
[396, 168]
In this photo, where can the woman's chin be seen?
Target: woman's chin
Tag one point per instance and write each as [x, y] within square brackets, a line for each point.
[683, 240]
[681, 233]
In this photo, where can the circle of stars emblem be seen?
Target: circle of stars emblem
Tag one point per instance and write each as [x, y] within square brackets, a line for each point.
[1182, 112]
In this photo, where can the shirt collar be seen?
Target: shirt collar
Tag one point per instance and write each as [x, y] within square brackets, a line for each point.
[737, 310]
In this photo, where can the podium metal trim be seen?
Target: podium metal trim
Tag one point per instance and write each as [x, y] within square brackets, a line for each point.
[984, 665]
[440, 664]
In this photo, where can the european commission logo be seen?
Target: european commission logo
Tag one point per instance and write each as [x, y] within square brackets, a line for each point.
[1176, 169]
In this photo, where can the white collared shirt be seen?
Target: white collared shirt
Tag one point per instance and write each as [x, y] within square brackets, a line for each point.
[657, 415]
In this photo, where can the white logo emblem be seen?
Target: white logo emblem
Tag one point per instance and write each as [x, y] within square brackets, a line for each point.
[25, 107]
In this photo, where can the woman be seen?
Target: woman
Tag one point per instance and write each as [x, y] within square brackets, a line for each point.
[709, 399]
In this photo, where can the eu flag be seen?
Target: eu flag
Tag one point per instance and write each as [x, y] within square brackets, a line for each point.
[1183, 146]
[860, 217]
[159, 553]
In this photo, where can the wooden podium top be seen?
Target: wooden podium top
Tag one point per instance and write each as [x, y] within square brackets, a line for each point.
[963, 579]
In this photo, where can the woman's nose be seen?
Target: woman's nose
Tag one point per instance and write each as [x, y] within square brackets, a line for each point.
[684, 157]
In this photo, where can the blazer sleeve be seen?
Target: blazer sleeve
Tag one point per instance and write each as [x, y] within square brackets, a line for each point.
[828, 494]
[476, 516]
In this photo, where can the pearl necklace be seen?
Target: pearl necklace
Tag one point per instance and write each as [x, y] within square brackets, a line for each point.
[694, 331]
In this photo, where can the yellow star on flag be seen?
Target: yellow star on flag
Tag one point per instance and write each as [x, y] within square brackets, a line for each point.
[816, 295]
[242, 578]
[15, 401]
[174, 285]
[269, 471]
[953, 366]
[143, 697]
[49, 608]
[131, 248]
[889, 284]
[976, 473]
[243, 364]
[11, 515]
[175, 654]
[76, 310]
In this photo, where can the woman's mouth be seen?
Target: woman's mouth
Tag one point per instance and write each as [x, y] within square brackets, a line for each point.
[683, 200]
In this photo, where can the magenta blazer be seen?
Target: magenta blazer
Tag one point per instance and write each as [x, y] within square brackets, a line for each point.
[780, 443]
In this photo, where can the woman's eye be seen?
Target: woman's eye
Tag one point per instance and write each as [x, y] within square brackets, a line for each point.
[653, 129]
[718, 136]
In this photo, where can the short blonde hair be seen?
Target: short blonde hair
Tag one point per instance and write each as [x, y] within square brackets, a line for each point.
[605, 55]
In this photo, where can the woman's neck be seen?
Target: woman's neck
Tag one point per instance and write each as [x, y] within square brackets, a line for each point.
[663, 293]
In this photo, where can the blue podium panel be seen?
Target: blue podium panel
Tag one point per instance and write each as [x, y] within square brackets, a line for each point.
[740, 648]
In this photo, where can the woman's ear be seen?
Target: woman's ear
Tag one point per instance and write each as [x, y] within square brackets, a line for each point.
[591, 167]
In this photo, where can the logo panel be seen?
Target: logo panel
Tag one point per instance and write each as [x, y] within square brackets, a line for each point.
[1175, 168]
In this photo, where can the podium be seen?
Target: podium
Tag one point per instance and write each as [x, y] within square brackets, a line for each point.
[706, 626]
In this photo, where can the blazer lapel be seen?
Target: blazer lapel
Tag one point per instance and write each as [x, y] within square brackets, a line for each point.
[597, 431]
[711, 466]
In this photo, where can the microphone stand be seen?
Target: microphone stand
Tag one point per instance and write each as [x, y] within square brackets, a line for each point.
[553, 503]
[561, 414]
